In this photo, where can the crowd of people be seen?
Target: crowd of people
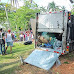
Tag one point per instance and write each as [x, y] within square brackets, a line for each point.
[10, 37]
[27, 36]
[5, 38]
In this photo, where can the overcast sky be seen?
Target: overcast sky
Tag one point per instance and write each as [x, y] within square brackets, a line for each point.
[65, 3]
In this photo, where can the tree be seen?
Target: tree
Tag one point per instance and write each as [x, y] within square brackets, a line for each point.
[2, 13]
[63, 7]
[42, 9]
[22, 15]
[57, 8]
[51, 6]
[72, 10]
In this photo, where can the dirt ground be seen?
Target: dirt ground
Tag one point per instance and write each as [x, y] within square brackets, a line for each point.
[66, 67]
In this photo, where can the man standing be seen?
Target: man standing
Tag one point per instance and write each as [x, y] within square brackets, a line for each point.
[2, 41]
[9, 40]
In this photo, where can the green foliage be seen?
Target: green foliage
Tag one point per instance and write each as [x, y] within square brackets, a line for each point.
[10, 62]
[66, 62]
[43, 9]
[63, 7]
[52, 7]
[72, 10]
[72, 13]
[23, 15]
[2, 13]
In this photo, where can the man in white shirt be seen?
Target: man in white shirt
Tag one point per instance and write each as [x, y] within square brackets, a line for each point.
[9, 40]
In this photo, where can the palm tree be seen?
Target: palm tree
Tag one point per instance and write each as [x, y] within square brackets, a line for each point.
[57, 8]
[52, 6]
[43, 9]
[63, 7]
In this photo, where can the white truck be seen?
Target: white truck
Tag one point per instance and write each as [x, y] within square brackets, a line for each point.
[54, 35]
[56, 25]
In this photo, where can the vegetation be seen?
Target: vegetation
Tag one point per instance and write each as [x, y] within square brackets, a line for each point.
[43, 9]
[22, 16]
[19, 18]
[10, 62]
[2, 13]
[53, 7]
[72, 10]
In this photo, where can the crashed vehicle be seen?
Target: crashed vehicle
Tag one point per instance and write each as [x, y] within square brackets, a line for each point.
[55, 28]
[54, 36]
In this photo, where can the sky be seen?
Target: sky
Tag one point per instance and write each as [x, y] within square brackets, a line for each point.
[44, 3]
[65, 3]
[4, 1]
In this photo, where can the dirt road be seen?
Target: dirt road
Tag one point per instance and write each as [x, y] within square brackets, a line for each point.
[66, 67]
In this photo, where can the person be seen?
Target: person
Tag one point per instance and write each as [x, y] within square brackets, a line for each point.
[21, 36]
[31, 36]
[26, 38]
[9, 40]
[2, 41]
[13, 36]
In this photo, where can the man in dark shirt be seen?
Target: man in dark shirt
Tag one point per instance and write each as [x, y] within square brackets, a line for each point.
[2, 41]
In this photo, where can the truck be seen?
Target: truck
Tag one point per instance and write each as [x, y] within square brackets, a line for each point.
[58, 24]
[53, 32]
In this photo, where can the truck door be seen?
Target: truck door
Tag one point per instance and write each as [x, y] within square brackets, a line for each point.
[51, 22]
[42, 59]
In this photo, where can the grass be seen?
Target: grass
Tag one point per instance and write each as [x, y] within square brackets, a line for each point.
[10, 62]
[66, 62]
[69, 56]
